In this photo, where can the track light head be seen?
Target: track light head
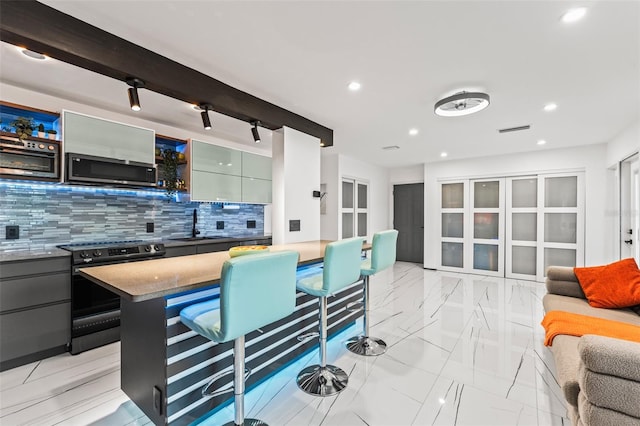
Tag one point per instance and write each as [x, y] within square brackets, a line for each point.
[134, 100]
[206, 122]
[254, 131]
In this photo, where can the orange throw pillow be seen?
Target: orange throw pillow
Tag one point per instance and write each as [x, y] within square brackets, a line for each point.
[616, 285]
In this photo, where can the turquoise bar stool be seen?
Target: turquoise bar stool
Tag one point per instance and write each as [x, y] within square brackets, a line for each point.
[255, 290]
[383, 255]
[341, 268]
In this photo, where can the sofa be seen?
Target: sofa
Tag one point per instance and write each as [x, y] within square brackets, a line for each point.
[599, 376]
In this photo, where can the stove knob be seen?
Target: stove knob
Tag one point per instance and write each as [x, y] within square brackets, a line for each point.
[156, 247]
[97, 253]
[84, 254]
[51, 147]
[147, 248]
[41, 146]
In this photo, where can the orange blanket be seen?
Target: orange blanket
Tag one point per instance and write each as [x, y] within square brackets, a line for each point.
[560, 322]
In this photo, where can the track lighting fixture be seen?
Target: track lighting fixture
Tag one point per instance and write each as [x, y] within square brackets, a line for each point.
[134, 100]
[206, 122]
[254, 131]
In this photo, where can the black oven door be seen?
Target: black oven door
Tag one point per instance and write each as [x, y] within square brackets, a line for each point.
[93, 307]
[28, 163]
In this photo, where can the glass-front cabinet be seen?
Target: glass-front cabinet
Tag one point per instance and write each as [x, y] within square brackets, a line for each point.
[514, 227]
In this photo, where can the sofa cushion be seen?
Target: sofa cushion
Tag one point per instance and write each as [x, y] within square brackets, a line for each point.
[613, 357]
[565, 288]
[616, 285]
[591, 414]
[565, 355]
[553, 302]
[561, 273]
[597, 388]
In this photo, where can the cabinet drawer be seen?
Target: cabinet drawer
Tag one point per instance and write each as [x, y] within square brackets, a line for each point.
[215, 187]
[180, 251]
[30, 291]
[211, 248]
[34, 330]
[34, 267]
[217, 159]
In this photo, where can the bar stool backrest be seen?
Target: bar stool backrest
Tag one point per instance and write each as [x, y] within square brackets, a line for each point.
[256, 290]
[341, 264]
[383, 249]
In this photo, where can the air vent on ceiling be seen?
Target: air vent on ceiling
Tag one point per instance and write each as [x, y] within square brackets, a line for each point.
[390, 147]
[514, 129]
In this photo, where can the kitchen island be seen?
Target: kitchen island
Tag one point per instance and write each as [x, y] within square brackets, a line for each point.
[164, 364]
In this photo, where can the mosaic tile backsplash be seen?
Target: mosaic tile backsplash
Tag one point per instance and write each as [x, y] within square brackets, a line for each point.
[50, 215]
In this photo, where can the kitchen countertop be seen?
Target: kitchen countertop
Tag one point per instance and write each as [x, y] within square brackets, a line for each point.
[35, 253]
[138, 281]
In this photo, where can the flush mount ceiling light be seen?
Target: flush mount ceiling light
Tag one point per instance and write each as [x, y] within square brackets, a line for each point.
[574, 15]
[206, 122]
[134, 100]
[254, 131]
[31, 54]
[463, 103]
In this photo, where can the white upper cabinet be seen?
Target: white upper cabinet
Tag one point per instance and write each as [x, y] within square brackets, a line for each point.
[256, 166]
[215, 159]
[84, 134]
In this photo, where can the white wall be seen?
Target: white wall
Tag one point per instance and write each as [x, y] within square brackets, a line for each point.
[624, 145]
[591, 159]
[329, 177]
[296, 174]
[401, 175]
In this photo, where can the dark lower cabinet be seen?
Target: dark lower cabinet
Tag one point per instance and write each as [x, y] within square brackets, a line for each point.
[35, 310]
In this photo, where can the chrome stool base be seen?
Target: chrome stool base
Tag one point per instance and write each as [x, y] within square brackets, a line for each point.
[248, 422]
[367, 346]
[322, 381]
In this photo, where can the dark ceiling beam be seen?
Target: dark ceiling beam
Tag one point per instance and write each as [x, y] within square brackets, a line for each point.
[43, 29]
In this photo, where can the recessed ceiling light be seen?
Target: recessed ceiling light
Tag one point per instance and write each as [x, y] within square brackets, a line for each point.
[550, 107]
[443, 154]
[574, 15]
[354, 86]
[31, 54]
[413, 132]
[542, 142]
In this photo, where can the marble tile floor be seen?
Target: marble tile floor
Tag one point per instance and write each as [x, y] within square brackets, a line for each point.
[463, 350]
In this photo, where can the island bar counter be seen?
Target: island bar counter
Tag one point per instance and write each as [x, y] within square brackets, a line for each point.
[165, 365]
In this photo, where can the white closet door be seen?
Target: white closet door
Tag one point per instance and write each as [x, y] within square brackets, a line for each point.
[453, 196]
[486, 223]
[521, 228]
[560, 221]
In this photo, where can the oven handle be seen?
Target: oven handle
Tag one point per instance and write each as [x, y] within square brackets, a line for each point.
[31, 153]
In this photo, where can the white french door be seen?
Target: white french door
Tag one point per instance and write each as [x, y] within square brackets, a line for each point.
[355, 210]
[513, 227]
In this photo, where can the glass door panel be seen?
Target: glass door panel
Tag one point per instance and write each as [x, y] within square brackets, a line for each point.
[523, 260]
[452, 225]
[487, 222]
[522, 228]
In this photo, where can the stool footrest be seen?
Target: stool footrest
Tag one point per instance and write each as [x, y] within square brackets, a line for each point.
[366, 345]
[322, 381]
[307, 336]
[207, 389]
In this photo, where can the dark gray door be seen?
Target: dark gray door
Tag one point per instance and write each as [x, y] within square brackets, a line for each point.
[408, 219]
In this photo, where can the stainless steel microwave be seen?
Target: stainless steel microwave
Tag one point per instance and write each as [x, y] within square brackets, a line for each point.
[29, 158]
[82, 168]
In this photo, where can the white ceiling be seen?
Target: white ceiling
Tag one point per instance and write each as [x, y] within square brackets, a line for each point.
[406, 54]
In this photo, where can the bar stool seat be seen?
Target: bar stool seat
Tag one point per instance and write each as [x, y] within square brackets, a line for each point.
[383, 255]
[341, 268]
[255, 290]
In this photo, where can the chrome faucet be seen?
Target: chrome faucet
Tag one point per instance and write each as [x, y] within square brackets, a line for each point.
[194, 231]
